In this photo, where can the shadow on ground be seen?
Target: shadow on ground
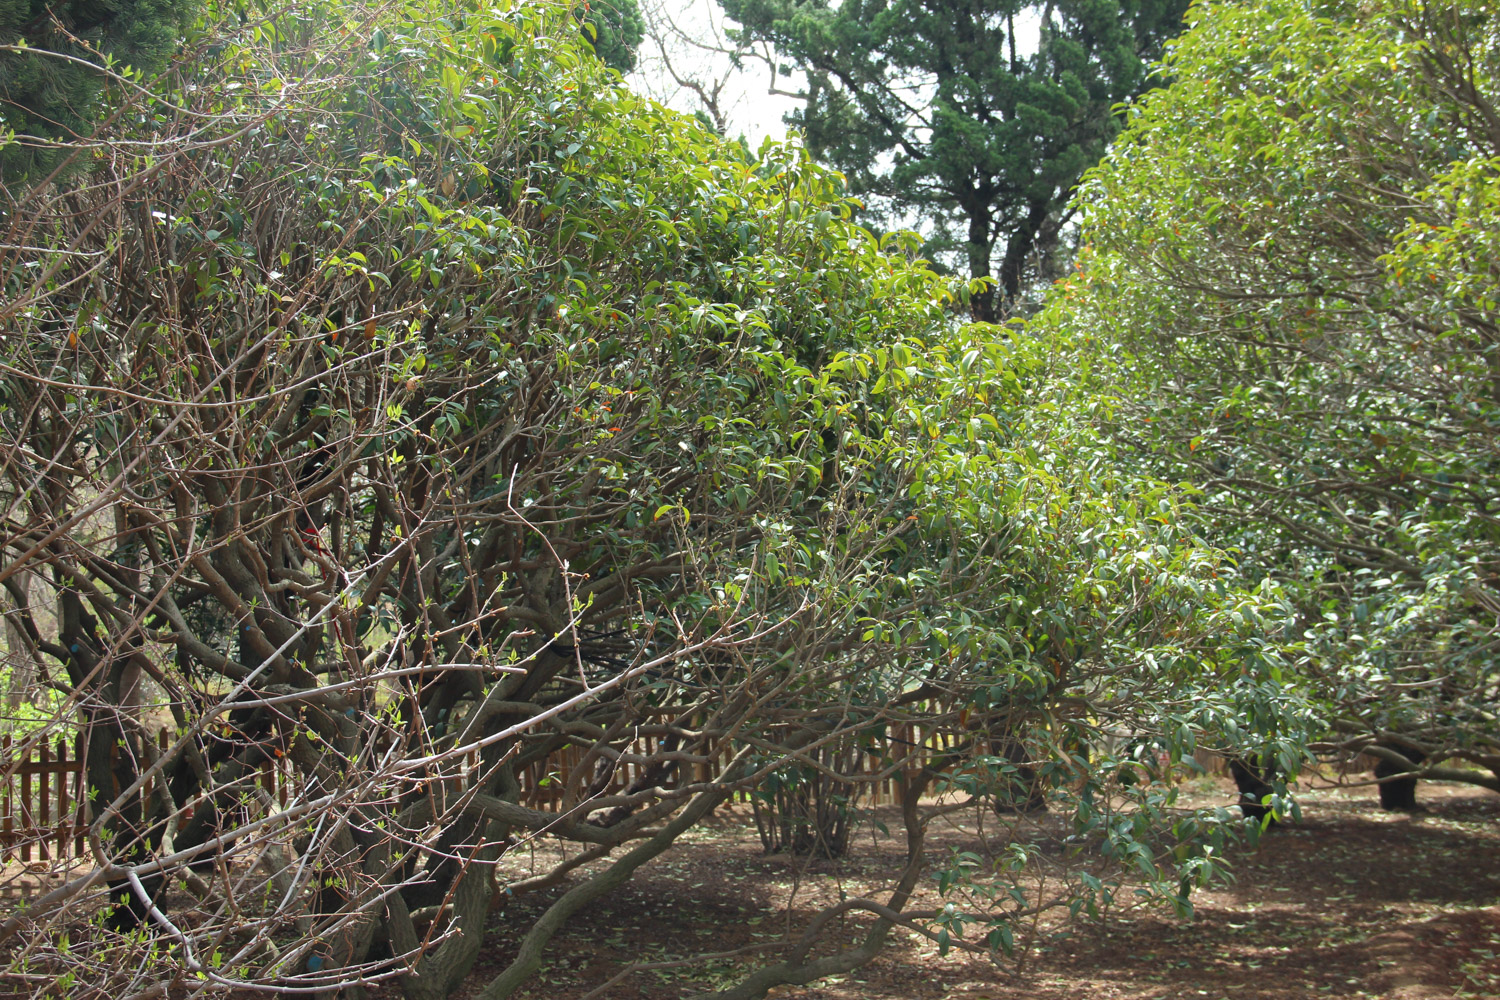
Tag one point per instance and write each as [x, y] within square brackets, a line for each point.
[1349, 902]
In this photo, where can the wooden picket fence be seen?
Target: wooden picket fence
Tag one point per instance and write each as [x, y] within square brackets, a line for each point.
[42, 797]
[543, 786]
[41, 801]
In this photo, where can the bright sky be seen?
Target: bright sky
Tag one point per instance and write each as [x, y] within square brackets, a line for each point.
[686, 47]
[741, 95]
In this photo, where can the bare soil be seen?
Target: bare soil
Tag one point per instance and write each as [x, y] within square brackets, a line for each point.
[1348, 902]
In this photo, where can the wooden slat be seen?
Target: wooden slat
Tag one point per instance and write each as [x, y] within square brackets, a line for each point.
[65, 818]
[8, 833]
[44, 811]
[28, 817]
[80, 795]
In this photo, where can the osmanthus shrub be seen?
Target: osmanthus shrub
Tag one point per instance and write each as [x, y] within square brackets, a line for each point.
[399, 403]
[1290, 289]
[1094, 642]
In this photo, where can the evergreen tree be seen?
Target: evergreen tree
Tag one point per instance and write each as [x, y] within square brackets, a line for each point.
[613, 29]
[936, 109]
[45, 100]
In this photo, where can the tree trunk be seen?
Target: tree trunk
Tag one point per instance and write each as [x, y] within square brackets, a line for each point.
[1020, 247]
[23, 666]
[982, 305]
[798, 968]
[529, 956]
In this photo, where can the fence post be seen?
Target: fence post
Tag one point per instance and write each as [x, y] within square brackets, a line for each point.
[81, 792]
[8, 830]
[65, 819]
[28, 815]
[44, 811]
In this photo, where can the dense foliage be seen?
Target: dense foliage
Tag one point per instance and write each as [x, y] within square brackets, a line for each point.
[404, 409]
[407, 405]
[1290, 290]
[938, 112]
[613, 29]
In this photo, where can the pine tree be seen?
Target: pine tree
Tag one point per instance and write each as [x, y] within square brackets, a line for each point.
[45, 100]
[613, 29]
[935, 109]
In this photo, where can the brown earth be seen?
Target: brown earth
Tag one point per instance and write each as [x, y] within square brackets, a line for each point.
[1348, 902]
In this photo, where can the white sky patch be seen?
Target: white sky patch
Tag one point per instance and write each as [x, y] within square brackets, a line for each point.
[688, 63]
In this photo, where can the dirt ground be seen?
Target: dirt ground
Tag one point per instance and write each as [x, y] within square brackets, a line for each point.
[1348, 902]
